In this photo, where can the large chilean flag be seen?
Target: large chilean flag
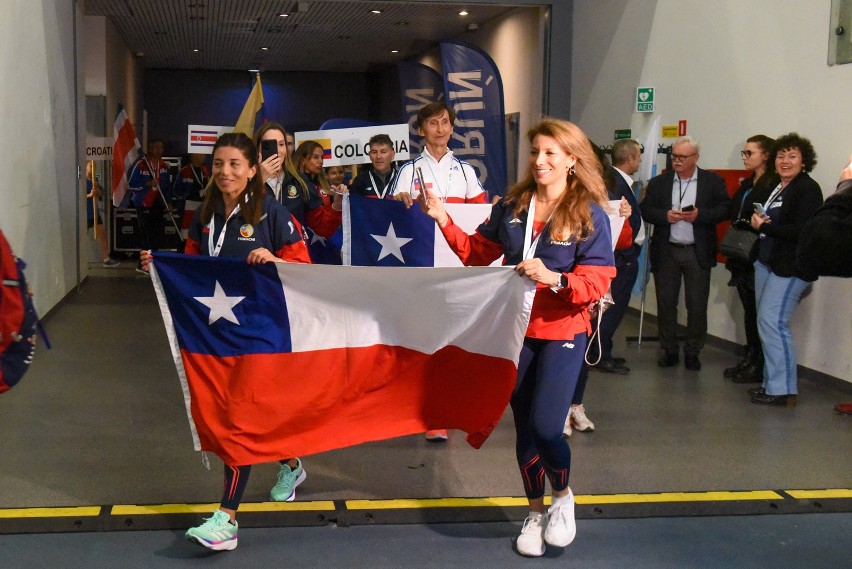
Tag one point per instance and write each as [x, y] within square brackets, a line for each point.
[290, 360]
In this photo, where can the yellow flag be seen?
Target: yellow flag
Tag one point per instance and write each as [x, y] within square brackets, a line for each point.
[245, 123]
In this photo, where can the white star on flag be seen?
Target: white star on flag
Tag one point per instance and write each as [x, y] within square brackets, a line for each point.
[220, 305]
[391, 244]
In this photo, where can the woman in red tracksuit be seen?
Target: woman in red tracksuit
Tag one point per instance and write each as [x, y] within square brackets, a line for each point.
[553, 228]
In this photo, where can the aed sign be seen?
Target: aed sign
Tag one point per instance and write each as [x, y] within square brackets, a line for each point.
[644, 99]
[345, 146]
[622, 133]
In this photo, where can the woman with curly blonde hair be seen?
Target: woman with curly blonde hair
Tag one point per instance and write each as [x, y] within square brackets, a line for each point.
[553, 228]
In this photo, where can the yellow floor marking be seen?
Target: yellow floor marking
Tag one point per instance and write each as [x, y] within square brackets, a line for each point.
[828, 493]
[433, 503]
[80, 512]
[580, 499]
[131, 510]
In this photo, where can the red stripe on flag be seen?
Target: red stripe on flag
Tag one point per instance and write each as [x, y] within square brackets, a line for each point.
[263, 407]
[125, 152]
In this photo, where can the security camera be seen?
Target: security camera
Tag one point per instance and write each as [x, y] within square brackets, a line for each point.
[140, 54]
[472, 27]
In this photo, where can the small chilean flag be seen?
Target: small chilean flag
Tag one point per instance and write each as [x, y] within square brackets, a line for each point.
[386, 233]
[277, 360]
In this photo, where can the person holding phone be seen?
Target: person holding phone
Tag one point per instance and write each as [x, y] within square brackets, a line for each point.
[684, 205]
[239, 219]
[553, 228]
[779, 281]
[290, 187]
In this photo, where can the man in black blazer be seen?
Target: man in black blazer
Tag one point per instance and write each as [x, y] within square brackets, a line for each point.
[626, 157]
[684, 205]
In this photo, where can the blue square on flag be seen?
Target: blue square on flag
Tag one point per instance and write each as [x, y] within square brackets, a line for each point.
[227, 313]
[385, 233]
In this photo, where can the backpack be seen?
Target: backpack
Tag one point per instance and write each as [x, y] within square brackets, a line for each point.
[18, 319]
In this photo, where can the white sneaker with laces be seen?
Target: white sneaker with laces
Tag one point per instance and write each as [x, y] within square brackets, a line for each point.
[531, 541]
[567, 429]
[579, 419]
[561, 527]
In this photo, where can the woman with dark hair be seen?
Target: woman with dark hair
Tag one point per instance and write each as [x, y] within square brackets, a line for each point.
[779, 282]
[553, 228]
[239, 219]
[755, 189]
[301, 196]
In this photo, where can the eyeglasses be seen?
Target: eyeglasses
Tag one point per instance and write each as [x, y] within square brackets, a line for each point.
[682, 157]
[746, 153]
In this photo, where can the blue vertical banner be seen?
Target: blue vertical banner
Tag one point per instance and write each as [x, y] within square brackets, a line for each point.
[419, 85]
[474, 90]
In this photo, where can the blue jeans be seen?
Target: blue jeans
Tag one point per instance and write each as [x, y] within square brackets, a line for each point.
[777, 297]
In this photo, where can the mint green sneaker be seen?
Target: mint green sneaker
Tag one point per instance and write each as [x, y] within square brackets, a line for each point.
[217, 532]
[285, 489]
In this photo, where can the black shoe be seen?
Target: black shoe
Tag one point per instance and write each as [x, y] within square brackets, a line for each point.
[607, 366]
[691, 362]
[619, 361]
[780, 400]
[735, 371]
[749, 374]
[756, 391]
[669, 359]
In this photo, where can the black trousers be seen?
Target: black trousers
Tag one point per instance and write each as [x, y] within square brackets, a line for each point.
[681, 264]
[152, 225]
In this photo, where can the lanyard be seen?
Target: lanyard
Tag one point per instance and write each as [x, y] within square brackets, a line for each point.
[530, 244]
[154, 175]
[743, 202]
[214, 250]
[385, 189]
[682, 190]
[773, 196]
[197, 178]
[442, 193]
[276, 187]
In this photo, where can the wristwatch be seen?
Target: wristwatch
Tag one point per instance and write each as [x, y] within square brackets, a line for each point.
[563, 282]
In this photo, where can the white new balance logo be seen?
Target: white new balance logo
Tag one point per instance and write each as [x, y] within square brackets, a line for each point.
[567, 345]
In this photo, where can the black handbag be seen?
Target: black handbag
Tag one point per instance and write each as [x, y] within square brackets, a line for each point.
[739, 243]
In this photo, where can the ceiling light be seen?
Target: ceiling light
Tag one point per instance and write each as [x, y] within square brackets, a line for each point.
[463, 13]
[283, 15]
[195, 49]
[265, 48]
[394, 51]
[376, 11]
[254, 70]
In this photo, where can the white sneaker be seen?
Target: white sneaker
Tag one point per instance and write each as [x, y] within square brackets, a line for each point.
[561, 527]
[579, 419]
[566, 430]
[531, 541]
